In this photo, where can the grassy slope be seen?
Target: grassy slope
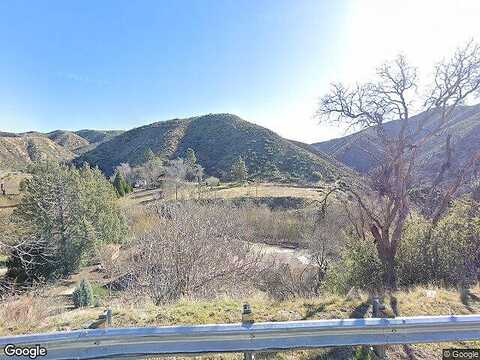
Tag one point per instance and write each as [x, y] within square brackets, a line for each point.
[353, 150]
[48, 311]
[218, 139]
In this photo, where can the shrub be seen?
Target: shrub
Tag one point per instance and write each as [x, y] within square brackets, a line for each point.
[359, 266]
[83, 294]
[190, 250]
[283, 281]
[448, 254]
[212, 181]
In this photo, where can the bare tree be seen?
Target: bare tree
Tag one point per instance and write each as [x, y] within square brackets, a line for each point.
[176, 172]
[191, 250]
[392, 97]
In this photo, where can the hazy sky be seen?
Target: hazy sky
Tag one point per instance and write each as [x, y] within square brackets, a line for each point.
[120, 64]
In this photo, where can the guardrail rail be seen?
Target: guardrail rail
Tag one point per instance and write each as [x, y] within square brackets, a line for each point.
[269, 336]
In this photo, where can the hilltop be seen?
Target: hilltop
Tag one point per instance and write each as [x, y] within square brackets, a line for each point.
[360, 150]
[218, 140]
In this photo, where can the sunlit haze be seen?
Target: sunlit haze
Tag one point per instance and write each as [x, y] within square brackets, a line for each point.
[122, 64]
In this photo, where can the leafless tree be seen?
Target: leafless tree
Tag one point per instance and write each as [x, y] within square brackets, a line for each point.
[176, 172]
[192, 250]
[386, 204]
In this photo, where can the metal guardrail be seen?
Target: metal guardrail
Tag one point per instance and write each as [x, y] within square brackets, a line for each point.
[269, 336]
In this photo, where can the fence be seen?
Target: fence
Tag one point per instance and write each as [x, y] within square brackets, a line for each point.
[248, 337]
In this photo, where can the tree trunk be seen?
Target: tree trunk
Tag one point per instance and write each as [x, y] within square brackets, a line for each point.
[390, 276]
[386, 254]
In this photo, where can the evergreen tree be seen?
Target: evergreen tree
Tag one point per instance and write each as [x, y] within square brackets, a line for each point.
[83, 294]
[64, 214]
[120, 184]
[149, 155]
[239, 170]
[191, 159]
[34, 151]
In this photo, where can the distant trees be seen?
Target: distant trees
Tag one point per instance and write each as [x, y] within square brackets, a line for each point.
[239, 171]
[386, 206]
[64, 215]
[34, 152]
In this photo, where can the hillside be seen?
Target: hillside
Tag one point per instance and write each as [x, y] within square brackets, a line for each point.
[17, 151]
[360, 150]
[218, 140]
[69, 140]
[97, 136]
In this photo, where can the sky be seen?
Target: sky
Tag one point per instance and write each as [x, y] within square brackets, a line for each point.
[119, 64]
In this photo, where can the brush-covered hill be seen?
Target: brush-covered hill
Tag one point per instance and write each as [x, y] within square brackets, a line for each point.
[82, 140]
[97, 136]
[360, 150]
[68, 140]
[218, 140]
[17, 151]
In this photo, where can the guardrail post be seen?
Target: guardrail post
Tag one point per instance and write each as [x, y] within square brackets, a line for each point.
[247, 319]
[377, 308]
[109, 317]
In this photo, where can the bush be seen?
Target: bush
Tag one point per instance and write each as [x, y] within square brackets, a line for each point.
[283, 281]
[189, 250]
[83, 294]
[358, 267]
[212, 181]
[448, 254]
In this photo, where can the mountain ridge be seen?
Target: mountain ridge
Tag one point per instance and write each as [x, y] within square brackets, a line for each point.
[361, 152]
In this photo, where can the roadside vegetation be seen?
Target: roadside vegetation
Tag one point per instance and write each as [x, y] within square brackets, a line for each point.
[163, 241]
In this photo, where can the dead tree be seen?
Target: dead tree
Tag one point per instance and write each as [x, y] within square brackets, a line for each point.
[393, 96]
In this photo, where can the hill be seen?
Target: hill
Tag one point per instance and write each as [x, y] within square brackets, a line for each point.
[69, 140]
[16, 151]
[218, 140]
[97, 136]
[361, 151]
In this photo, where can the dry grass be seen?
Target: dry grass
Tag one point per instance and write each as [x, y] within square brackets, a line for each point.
[263, 190]
[12, 182]
[27, 313]
[228, 191]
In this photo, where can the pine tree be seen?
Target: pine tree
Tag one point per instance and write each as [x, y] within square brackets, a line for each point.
[120, 184]
[64, 213]
[149, 155]
[239, 170]
[83, 294]
[191, 159]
